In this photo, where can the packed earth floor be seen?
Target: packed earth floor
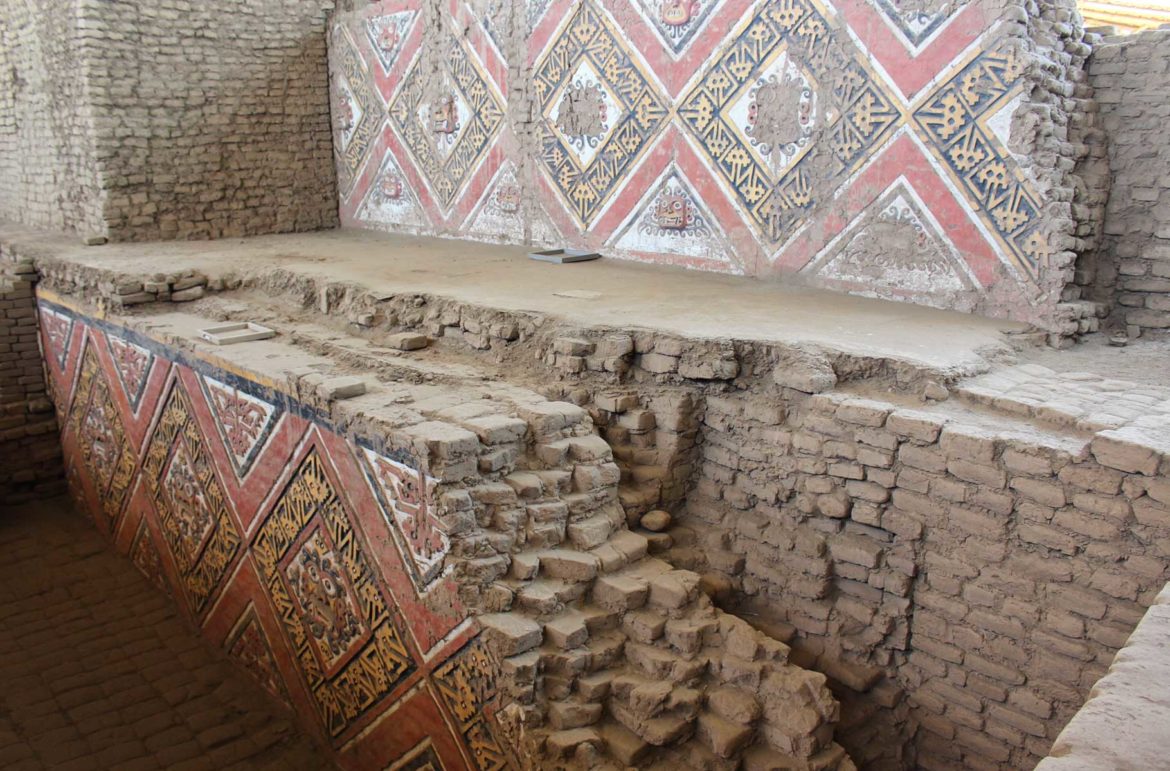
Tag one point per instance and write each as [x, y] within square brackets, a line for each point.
[100, 672]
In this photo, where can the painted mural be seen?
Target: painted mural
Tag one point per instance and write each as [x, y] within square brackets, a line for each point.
[727, 135]
[308, 557]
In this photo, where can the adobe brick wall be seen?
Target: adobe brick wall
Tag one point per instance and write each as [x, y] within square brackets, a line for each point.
[136, 120]
[989, 571]
[1123, 724]
[212, 117]
[1130, 79]
[29, 444]
[546, 628]
[48, 168]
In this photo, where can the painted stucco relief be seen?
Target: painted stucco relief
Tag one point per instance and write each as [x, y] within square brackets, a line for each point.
[771, 128]
[310, 559]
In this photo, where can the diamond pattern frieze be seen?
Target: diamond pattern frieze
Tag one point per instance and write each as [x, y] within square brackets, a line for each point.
[447, 123]
[599, 112]
[785, 113]
[965, 122]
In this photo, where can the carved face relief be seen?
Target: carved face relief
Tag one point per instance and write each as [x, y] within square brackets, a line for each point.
[673, 213]
[677, 13]
[390, 187]
[344, 117]
[444, 115]
[327, 609]
[388, 38]
[508, 197]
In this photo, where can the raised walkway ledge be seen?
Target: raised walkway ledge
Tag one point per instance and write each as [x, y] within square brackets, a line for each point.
[857, 334]
[1125, 724]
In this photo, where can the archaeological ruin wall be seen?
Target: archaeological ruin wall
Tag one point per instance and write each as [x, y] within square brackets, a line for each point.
[29, 441]
[1129, 77]
[134, 121]
[959, 559]
[48, 163]
[426, 568]
[925, 153]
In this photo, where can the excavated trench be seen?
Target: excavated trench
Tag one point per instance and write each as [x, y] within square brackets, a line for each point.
[754, 511]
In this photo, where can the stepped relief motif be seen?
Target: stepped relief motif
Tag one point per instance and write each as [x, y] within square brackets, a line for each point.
[347, 646]
[671, 218]
[917, 21]
[599, 112]
[243, 421]
[390, 203]
[785, 113]
[894, 249]
[386, 35]
[447, 120]
[132, 363]
[106, 451]
[677, 22]
[504, 214]
[498, 16]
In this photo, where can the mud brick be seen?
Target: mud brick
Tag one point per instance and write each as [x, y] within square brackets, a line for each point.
[658, 363]
[674, 589]
[864, 412]
[1125, 450]
[569, 565]
[920, 426]
[562, 744]
[928, 459]
[977, 473]
[1047, 493]
[724, 737]
[619, 592]
[511, 633]
[624, 744]
[442, 440]
[1020, 462]
[1149, 512]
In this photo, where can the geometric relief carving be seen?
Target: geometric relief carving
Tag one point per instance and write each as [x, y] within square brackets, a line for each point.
[386, 35]
[466, 684]
[671, 219]
[405, 495]
[962, 120]
[786, 112]
[599, 112]
[357, 113]
[915, 22]
[501, 213]
[895, 248]
[249, 646]
[243, 421]
[105, 449]
[497, 19]
[192, 505]
[58, 329]
[328, 602]
[448, 119]
[677, 22]
[144, 554]
[390, 201]
[132, 363]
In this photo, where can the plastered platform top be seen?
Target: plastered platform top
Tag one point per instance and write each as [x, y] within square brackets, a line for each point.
[632, 295]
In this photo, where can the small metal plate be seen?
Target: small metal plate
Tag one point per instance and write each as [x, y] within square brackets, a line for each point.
[242, 332]
[563, 256]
